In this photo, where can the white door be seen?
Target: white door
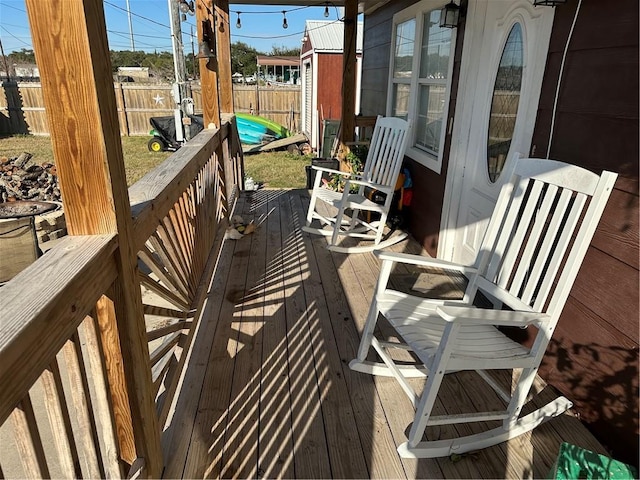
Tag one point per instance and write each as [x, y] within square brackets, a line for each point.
[503, 61]
[307, 99]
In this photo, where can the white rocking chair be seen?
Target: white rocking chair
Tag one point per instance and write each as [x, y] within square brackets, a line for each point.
[537, 237]
[381, 170]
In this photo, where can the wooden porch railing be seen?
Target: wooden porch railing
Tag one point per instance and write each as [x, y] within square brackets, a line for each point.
[64, 401]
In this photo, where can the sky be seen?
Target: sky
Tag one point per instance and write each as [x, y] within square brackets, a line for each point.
[261, 25]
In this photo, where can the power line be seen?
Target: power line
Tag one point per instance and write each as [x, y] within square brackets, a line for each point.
[139, 34]
[126, 35]
[12, 7]
[137, 15]
[18, 39]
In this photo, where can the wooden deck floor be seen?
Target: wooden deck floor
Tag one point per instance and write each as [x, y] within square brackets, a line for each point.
[268, 392]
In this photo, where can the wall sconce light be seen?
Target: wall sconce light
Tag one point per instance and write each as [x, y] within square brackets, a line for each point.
[450, 15]
[548, 3]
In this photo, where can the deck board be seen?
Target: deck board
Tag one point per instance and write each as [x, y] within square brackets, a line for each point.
[370, 429]
[268, 393]
[276, 452]
[307, 372]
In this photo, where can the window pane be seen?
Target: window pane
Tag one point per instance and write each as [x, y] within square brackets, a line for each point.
[401, 100]
[504, 104]
[435, 48]
[403, 56]
[430, 116]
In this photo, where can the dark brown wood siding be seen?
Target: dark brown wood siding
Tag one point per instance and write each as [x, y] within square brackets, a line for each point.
[593, 358]
[594, 355]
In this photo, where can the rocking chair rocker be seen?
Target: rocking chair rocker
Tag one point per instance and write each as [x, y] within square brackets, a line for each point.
[536, 240]
[381, 170]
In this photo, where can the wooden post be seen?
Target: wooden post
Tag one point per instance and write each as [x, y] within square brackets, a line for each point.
[257, 111]
[77, 87]
[348, 77]
[227, 164]
[205, 22]
[223, 45]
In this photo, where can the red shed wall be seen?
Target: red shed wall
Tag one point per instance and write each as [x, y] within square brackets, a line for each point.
[329, 68]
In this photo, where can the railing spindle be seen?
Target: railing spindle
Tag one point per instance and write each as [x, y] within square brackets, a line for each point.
[116, 381]
[28, 440]
[83, 411]
[108, 429]
[59, 420]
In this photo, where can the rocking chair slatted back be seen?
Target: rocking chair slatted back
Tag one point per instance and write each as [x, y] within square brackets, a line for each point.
[386, 151]
[536, 229]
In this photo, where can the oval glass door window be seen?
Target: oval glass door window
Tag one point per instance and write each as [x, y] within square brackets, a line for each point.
[504, 103]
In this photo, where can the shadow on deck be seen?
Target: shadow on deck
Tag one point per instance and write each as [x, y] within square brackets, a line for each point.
[268, 392]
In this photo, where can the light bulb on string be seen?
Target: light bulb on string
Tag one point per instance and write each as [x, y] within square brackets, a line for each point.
[238, 22]
[285, 25]
[326, 10]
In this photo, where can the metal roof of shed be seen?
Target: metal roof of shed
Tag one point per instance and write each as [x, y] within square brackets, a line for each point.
[327, 35]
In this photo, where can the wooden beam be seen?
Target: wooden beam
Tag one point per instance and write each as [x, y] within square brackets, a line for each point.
[71, 48]
[205, 22]
[223, 45]
[349, 71]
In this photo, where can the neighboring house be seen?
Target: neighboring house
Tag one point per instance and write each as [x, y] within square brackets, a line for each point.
[278, 69]
[22, 72]
[321, 57]
[133, 74]
[540, 81]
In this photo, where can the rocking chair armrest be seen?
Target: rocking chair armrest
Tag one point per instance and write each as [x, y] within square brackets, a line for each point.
[382, 188]
[424, 261]
[479, 316]
[331, 170]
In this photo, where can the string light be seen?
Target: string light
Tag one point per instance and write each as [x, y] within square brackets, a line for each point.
[285, 23]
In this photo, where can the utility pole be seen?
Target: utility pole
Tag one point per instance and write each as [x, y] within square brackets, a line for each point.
[193, 54]
[176, 42]
[6, 62]
[178, 66]
[133, 46]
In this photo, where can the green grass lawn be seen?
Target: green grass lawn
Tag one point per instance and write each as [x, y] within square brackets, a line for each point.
[273, 169]
[138, 160]
[277, 169]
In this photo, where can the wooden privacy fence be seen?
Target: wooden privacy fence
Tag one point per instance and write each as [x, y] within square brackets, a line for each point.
[22, 108]
[280, 103]
[65, 405]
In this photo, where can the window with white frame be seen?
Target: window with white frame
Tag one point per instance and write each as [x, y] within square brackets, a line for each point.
[420, 71]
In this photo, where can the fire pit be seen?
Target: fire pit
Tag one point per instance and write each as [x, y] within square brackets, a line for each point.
[25, 208]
